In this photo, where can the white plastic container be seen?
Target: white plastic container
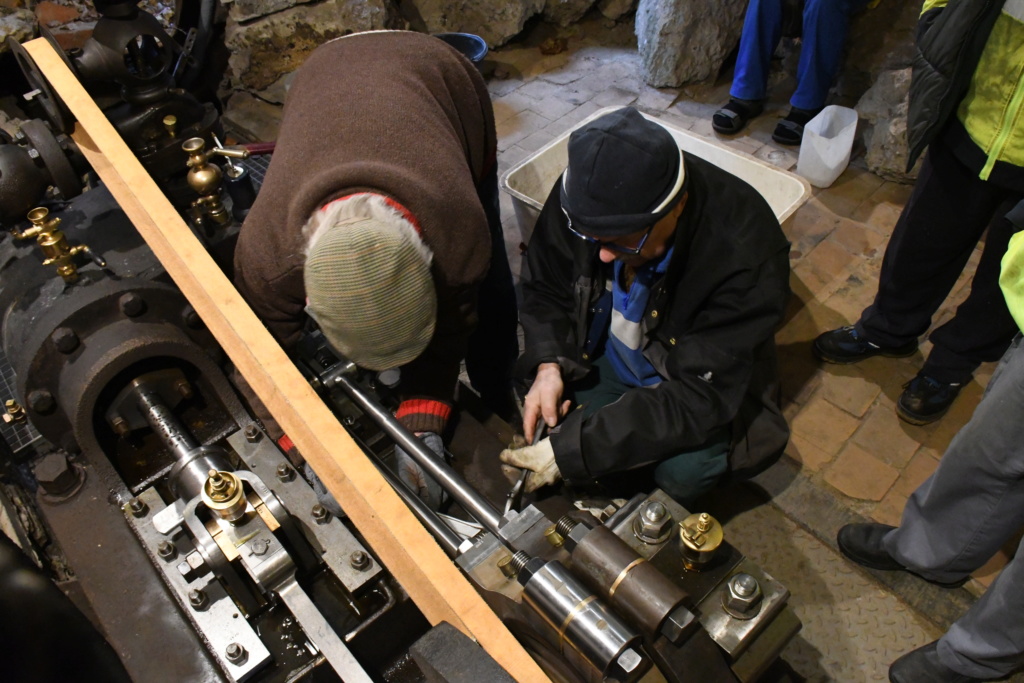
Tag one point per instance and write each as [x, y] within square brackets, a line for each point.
[529, 182]
[828, 140]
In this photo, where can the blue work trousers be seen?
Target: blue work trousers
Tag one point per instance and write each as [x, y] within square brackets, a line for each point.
[825, 26]
[964, 513]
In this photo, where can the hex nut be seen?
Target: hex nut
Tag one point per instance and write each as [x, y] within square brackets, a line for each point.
[320, 514]
[56, 476]
[191, 318]
[198, 599]
[678, 623]
[629, 660]
[252, 433]
[742, 596]
[359, 561]
[653, 523]
[41, 401]
[131, 304]
[235, 653]
[192, 567]
[167, 550]
[65, 339]
[285, 473]
[138, 507]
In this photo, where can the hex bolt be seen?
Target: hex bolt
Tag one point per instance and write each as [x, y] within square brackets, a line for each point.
[33, 153]
[197, 599]
[137, 507]
[253, 433]
[360, 561]
[120, 426]
[260, 546]
[655, 511]
[285, 473]
[131, 304]
[183, 388]
[167, 550]
[55, 474]
[629, 660]
[41, 401]
[235, 653]
[744, 585]
[65, 339]
[553, 537]
[320, 514]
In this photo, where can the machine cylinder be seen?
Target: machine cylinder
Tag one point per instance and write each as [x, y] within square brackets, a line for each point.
[581, 621]
[633, 586]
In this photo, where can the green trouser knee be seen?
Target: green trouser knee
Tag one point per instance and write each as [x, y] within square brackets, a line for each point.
[685, 476]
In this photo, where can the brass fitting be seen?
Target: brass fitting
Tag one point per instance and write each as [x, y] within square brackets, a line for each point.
[14, 412]
[206, 179]
[223, 494]
[54, 244]
[700, 535]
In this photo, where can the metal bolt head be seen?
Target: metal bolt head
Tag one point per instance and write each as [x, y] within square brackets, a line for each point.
[285, 473]
[320, 514]
[742, 597]
[191, 318]
[198, 599]
[55, 474]
[359, 561]
[680, 622]
[259, 546]
[629, 660]
[235, 653]
[65, 339]
[33, 153]
[41, 401]
[183, 388]
[120, 425]
[192, 567]
[253, 433]
[652, 524]
[167, 550]
[137, 507]
[131, 304]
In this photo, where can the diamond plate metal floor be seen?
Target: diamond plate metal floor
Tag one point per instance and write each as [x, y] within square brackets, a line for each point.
[853, 628]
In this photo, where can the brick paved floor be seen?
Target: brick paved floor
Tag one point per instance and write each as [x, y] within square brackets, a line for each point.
[846, 435]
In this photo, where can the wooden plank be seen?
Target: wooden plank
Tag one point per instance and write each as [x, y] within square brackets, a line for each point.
[438, 588]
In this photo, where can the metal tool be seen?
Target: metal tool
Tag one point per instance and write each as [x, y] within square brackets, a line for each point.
[512, 500]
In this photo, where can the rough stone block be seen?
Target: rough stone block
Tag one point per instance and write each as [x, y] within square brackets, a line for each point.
[682, 41]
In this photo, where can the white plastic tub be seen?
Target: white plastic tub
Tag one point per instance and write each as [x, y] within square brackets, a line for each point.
[530, 181]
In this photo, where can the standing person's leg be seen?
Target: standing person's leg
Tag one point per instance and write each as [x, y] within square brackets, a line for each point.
[826, 25]
[935, 235]
[988, 641]
[493, 347]
[957, 519]
[762, 27]
[982, 328]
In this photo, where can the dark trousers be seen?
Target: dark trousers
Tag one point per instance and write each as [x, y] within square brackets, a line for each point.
[940, 226]
[494, 345]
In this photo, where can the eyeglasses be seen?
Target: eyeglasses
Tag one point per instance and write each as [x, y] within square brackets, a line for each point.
[611, 246]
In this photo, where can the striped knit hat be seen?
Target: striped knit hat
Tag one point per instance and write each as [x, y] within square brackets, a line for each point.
[369, 287]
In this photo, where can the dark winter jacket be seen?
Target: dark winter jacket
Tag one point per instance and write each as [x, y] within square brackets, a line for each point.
[709, 332]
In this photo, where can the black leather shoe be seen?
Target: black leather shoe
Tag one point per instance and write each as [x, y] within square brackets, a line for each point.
[925, 400]
[846, 345]
[923, 666]
[862, 543]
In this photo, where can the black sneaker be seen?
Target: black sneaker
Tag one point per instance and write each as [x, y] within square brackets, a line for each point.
[925, 400]
[846, 345]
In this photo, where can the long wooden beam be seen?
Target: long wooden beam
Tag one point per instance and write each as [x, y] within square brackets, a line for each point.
[438, 588]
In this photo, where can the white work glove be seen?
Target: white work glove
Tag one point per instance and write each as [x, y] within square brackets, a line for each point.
[539, 459]
[544, 400]
[410, 472]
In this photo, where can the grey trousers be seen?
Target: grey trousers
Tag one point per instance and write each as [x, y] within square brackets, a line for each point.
[960, 517]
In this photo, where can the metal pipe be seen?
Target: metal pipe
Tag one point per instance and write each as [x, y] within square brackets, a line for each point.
[448, 539]
[463, 493]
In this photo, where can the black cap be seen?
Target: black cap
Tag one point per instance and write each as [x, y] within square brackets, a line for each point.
[625, 173]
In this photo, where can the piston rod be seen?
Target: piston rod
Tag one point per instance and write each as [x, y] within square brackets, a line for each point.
[463, 493]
